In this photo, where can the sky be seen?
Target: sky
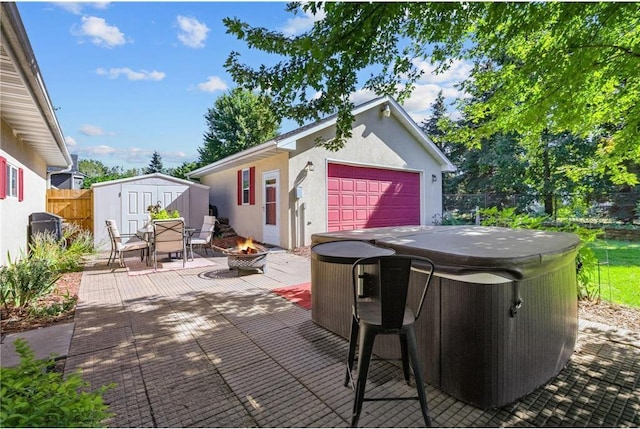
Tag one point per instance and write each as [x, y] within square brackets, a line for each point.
[130, 78]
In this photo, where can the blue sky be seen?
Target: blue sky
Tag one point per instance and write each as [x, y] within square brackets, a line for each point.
[130, 78]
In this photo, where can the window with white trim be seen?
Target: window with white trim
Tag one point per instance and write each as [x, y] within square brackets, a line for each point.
[12, 181]
[246, 186]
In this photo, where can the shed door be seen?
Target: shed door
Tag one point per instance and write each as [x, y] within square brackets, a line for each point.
[365, 197]
[136, 199]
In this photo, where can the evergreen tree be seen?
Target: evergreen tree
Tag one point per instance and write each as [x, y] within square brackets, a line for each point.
[155, 166]
[430, 126]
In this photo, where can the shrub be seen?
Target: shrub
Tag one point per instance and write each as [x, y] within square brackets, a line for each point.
[30, 396]
[25, 280]
[586, 260]
[157, 212]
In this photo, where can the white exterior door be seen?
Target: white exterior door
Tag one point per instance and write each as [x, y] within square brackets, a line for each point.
[136, 199]
[270, 208]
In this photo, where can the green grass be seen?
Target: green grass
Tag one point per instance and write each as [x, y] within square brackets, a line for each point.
[620, 278]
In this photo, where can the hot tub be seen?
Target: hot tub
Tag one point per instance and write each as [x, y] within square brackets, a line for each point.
[501, 316]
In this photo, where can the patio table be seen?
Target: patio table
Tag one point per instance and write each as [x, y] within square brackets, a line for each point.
[146, 233]
[501, 315]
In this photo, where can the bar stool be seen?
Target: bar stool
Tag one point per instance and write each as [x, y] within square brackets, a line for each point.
[385, 311]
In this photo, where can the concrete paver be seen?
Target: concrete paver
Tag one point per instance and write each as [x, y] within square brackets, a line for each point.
[203, 348]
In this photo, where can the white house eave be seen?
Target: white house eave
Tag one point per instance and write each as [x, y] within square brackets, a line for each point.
[149, 176]
[26, 106]
[253, 154]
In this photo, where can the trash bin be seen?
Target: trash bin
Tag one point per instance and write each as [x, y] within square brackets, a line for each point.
[42, 222]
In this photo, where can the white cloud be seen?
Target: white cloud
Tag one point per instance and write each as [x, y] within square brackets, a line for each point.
[300, 24]
[76, 7]
[92, 130]
[192, 32]
[213, 83]
[114, 73]
[362, 96]
[457, 72]
[70, 141]
[423, 96]
[101, 150]
[101, 33]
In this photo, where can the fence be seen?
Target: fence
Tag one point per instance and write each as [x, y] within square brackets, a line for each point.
[73, 205]
[619, 207]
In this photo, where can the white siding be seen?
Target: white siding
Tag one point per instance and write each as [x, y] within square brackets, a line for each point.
[14, 214]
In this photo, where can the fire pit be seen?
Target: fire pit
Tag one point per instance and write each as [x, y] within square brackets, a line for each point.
[247, 256]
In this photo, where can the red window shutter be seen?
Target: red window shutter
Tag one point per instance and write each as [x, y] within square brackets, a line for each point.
[239, 187]
[20, 184]
[3, 178]
[252, 185]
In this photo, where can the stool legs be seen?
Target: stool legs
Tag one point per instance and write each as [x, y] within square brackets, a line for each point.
[405, 357]
[367, 337]
[417, 372]
[353, 340]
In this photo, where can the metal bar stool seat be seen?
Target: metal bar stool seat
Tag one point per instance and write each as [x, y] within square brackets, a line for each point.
[386, 313]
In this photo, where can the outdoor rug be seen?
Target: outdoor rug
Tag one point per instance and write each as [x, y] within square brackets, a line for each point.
[298, 294]
[136, 267]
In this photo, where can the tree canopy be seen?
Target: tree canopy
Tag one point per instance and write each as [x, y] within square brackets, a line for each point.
[544, 68]
[239, 120]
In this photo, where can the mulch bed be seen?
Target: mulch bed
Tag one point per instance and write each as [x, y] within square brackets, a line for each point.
[15, 320]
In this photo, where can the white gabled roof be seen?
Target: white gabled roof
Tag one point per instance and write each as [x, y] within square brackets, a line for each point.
[149, 176]
[287, 141]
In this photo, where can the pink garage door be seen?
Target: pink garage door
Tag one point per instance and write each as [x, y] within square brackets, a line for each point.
[363, 197]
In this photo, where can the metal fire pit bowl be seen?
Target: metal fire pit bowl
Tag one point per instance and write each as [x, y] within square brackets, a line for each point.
[247, 262]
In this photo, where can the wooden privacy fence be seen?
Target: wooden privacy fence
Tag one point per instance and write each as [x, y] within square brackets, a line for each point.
[73, 205]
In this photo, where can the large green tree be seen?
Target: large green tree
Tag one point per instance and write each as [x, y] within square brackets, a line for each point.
[546, 67]
[238, 120]
[97, 172]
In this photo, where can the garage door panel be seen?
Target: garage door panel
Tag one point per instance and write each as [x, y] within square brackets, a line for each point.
[371, 197]
[347, 200]
[333, 184]
[346, 185]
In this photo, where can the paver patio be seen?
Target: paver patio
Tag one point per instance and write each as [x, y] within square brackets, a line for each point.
[202, 347]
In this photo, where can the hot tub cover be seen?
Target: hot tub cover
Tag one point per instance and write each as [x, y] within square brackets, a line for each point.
[514, 254]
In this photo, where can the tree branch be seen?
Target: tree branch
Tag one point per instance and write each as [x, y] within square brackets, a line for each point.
[624, 49]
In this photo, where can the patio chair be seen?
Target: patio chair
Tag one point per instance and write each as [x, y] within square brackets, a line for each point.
[118, 248]
[385, 311]
[168, 237]
[203, 236]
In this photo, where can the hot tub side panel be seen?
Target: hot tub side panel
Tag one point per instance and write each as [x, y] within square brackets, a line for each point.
[490, 358]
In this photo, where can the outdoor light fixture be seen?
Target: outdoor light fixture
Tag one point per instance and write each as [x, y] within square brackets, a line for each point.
[434, 178]
[386, 111]
[310, 166]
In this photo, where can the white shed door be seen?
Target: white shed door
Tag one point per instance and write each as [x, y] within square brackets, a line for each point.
[136, 199]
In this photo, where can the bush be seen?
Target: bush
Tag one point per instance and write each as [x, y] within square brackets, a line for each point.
[586, 260]
[25, 280]
[30, 396]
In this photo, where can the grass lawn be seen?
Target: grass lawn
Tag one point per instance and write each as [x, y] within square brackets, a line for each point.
[620, 279]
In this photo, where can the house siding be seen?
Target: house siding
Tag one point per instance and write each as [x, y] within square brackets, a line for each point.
[247, 220]
[375, 142]
[14, 214]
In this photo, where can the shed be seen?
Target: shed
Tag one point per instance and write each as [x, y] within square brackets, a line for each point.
[126, 201]
[286, 189]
